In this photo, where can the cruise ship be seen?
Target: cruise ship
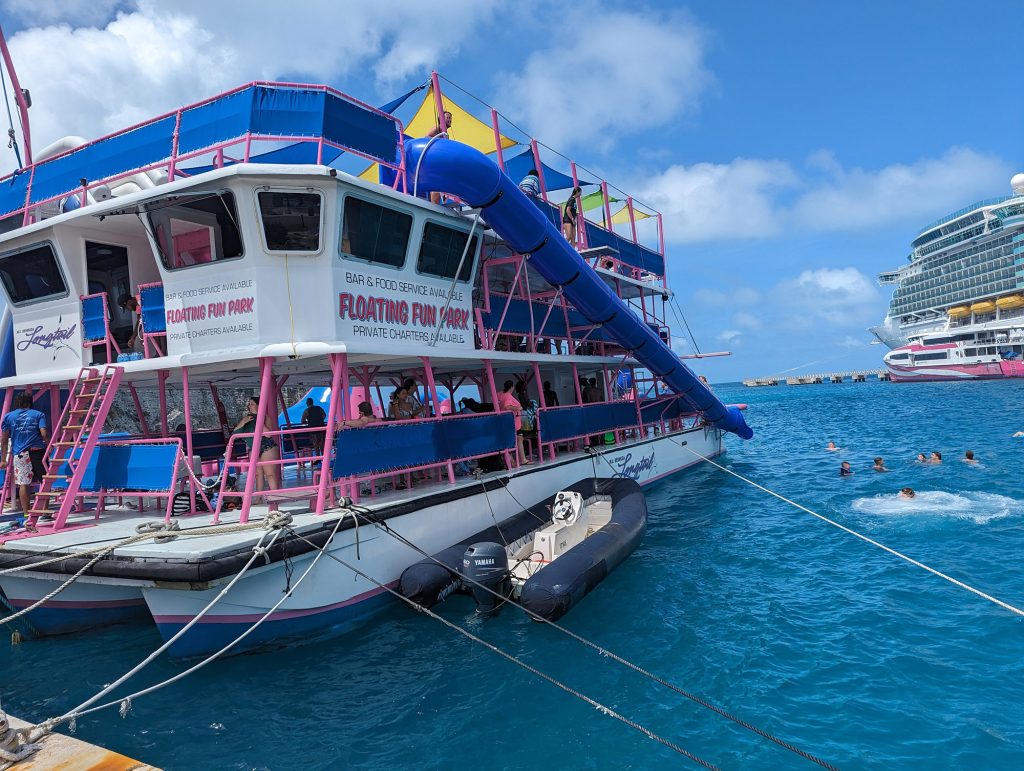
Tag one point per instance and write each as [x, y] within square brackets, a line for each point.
[957, 312]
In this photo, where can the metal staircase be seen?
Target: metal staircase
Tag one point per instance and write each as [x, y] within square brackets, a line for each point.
[74, 438]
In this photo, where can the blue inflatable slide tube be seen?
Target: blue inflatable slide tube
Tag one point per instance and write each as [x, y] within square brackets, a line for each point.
[447, 166]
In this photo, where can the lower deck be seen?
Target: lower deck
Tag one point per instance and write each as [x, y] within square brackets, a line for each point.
[88, 531]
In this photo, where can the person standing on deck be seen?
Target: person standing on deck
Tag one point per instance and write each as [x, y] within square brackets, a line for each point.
[570, 213]
[268, 472]
[129, 303]
[26, 428]
[550, 397]
[507, 402]
[315, 417]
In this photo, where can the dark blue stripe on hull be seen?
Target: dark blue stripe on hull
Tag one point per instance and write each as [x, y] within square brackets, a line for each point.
[204, 639]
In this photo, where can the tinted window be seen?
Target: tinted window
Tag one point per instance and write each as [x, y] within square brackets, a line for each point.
[441, 251]
[193, 231]
[375, 234]
[291, 221]
[32, 274]
[929, 356]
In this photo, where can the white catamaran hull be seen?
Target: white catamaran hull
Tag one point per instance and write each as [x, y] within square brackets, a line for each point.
[333, 596]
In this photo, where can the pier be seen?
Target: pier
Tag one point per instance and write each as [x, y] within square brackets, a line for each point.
[65, 752]
[856, 376]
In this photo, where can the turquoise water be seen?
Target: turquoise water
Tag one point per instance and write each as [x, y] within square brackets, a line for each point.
[799, 628]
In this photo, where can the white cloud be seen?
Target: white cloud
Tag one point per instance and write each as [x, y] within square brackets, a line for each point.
[607, 74]
[837, 296]
[752, 198]
[710, 201]
[928, 188]
[853, 342]
[157, 56]
[740, 296]
[730, 336]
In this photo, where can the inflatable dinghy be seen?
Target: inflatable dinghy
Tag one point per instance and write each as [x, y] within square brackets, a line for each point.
[546, 558]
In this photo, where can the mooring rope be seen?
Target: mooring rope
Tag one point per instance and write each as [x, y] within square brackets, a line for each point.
[608, 711]
[125, 702]
[861, 536]
[609, 654]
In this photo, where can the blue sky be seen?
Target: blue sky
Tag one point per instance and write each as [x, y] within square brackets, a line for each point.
[795, 148]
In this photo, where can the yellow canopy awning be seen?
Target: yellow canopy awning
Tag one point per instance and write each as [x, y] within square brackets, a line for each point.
[622, 216]
[464, 128]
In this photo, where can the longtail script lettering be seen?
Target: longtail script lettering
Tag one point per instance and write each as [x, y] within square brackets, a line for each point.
[43, 339]
[632, 469]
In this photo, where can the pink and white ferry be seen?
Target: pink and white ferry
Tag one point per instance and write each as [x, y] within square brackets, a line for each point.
[257, 262]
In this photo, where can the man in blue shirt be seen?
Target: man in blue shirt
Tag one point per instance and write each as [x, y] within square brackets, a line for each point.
[26, 429]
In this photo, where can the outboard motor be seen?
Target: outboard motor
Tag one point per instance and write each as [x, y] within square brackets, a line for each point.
[486, 564]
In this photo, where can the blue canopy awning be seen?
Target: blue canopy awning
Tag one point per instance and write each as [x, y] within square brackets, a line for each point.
[519, 166]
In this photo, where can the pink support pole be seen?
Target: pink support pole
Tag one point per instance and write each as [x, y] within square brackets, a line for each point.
[661, 236]
[162, 381]
[266, 398]
[346, 410]
[187, 398]
[498, 150]
[607, 208]
[540, 168]
[138, 410]
[332, 420]
[432, 386]
[632, 217]
[19, 97]
[435, 84]
[581, 227]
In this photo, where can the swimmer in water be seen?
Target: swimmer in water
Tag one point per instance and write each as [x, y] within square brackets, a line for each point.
[879, 465]
[922, 458]
[969, 457]
[907, 493]
[832, 447]
[936, 457]
[1018, 433]
[845, 470]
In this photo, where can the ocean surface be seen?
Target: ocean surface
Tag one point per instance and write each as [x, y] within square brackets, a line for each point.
[780, 618]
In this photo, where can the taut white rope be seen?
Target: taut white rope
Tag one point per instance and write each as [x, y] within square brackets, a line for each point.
[873, 542]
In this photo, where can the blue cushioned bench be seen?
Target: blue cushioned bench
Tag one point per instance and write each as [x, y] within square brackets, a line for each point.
[143, 469]
[371, 449]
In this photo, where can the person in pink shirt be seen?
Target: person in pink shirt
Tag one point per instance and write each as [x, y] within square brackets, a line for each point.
[507, 402]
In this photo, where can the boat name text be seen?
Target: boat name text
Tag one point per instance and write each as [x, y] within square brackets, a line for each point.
[631, 469]
[390, 311]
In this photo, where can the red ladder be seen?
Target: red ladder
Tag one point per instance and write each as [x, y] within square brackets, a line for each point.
[71, 446]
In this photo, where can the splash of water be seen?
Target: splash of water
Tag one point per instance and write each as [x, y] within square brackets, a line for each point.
[976, 507]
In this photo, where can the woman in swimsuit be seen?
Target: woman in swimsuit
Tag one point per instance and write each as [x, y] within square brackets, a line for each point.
[507, 402]
[570, 213]
[268, 473]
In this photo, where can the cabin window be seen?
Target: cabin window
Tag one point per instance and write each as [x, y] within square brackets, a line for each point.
[375, 233]
[895, 356]
[929, 356]
[193, 231]
[31, 275]
[291, 220]
[441, 251]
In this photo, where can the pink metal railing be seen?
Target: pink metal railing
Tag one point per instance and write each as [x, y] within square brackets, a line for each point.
[172, 163]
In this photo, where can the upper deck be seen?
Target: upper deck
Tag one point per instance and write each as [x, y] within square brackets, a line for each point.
[232, 256]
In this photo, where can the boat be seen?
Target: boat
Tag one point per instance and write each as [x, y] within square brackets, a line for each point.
[226, 238]
[957, 312]
[547, 557]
